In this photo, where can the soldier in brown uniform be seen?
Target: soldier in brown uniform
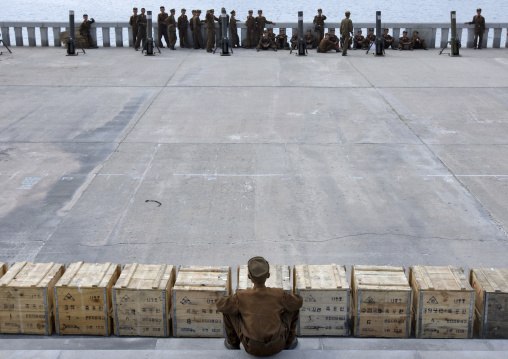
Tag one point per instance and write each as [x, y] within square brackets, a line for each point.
[359, 41]
[210, 30]
[183, 24]
[271, 35]
[405, 42]
[417, 42]
[326, 45]
[235, 41]
[261, 23]
[310, 40]
[133, 22]
[319, 25]
[294, 40]
[370, 37]
[388, 40]
[84, 30]
[251, 25]
[334, 38]
[479, 28]
[162, 27]
[198, 43]
[262, 319]
[281, 40]
[141, 29]
[266, 43]
[171, 23]
[191, 26]
[346, 28]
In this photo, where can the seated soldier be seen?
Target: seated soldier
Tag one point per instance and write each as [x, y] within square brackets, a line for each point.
[359, 41]
[388, 40]
[266, 43]
[418, 42]
[405, 42]
[310, 40]
[326, 45]
[294, 40]
[271, 35]
[333, 38]
[262, 319]
[281, 40]
[370, 37]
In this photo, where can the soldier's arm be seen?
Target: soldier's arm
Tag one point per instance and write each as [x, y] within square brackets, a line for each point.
[229, 305]
[292, 302]
[324, 17]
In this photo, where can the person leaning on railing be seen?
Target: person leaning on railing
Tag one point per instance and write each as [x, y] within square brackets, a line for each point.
[84, 30]
[479, 28]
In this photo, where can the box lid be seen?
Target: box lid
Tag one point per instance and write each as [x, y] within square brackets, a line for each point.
[440, 278]
[146, 276]
[26, 274]
[89, 275]
[493, 280]
[382, 278]
[320, 277]
[202, 278]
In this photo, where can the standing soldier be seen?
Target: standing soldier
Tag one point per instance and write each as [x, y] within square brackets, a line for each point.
[163, 28]
[251, 24]
[141, 29]
[133, 22]
[346, 28]
[191, 26]
[171, 23]
[235, 41]
[210, 30]
[319, 25]
[479, 28]
[199, 43]
[183, 23]
[333, 38]
[261, 23]
[84, 30]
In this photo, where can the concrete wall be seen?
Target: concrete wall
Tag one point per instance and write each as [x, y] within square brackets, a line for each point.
[38, 33]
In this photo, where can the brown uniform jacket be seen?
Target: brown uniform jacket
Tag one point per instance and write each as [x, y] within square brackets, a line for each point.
[161, 19]
[334, 39]
[133, 21]
[479, 23]
[371, 38]
[294, 39]
[319, 20]
[261, 310]
[232, 24]
[261, 22]
[183, 22]
[84, 28]
[251, 21]
[210, 21]
[142, 20]
[171, 23]
[346, 26]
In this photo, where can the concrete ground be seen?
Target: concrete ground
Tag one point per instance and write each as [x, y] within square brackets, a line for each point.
[397, 160]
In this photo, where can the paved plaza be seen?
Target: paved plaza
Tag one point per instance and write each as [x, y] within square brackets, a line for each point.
[189, 158]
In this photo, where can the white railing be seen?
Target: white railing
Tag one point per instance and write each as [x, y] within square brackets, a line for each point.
[120, 34]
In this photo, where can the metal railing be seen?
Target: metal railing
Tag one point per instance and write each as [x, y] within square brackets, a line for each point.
[119, 34]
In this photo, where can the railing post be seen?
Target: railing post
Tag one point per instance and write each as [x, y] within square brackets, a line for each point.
[44, 36]
[105, 37]
[485, 38]
[31, 36]
[470, 37]
[119, 36]
[18, 34]
[129, 35]
[93, 32]
[6, 36]
[445, 32]
[396, 35]
[56, 36]
[497, 38]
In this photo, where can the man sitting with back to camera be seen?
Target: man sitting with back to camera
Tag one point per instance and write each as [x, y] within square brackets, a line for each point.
[262, 319]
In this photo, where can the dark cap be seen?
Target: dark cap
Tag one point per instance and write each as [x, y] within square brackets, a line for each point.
[250, 11]
[258, 267]
[348, 13]
[172, 10]
[319, 10]
[404, 32]
[183, 10]
[260, 10]
[85, 15]
[233, 11]
[134, 8]
[371, 29]
[478, 9]
[386, 29]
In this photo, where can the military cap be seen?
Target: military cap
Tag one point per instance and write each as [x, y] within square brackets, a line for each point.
[85, 15]
[258, 267]
[233, 11]
[348, 13]
[162, 7]
[371, 29]
[134, 8]
[198, 10]
[260, 11]
[404, 32]
[172, 10]
[183, 10]
[250, 11]
[386, 28]
[319, 10]
[360, 30]
[478, 9]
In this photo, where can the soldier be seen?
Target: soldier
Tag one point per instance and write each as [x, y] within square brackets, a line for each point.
[251, 25]
[370, 37]
[261, 23]
[171, 24]
[210, 29]
[141, 29]
[281, 40]
[162, 27]
[405, 42]
[133, 22]
[271, 35]
[319, 25]
[191, 26]
[346, 28]
[183, 24]
[479, 28]
[388, 40]
[334, 38]
[417, 42]
[265, 43]
[326, 45]
[310, 40]
[359, 41]
[84, 30]
[294, 40]
[235, 41]
[199, 43]
[262, 319]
